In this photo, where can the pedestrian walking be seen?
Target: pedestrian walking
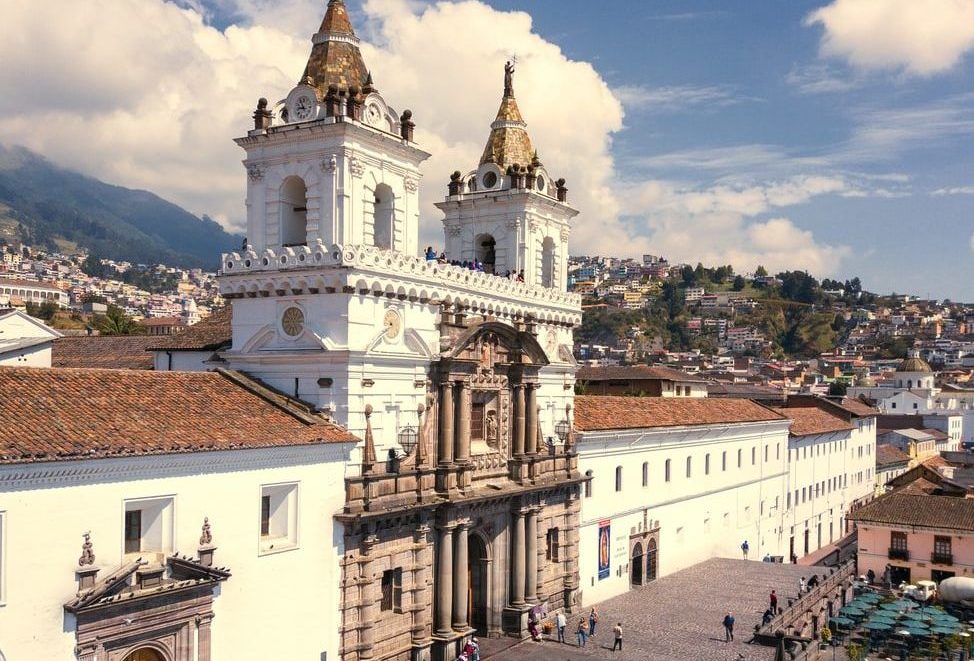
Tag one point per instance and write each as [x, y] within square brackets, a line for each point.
[475, 651]
[582, 632]
[729, 627]
[794, 559]
[533, 628]
[593, 619]
[745, 547]
[802, 586]
[773, 598]
[560, 623]
[617, 643]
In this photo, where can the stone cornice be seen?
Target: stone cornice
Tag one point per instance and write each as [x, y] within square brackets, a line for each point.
[607, 441]
[52, 474]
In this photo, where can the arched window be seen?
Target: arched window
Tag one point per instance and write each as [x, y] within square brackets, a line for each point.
[645, 473]
[706, 464]
[382, 217]
[294, 212]
[689, 466]
[618, 478]
[754, 455]
[486, 248]
[666, 471]
[909, 384]
[548, 274]
[588, 484]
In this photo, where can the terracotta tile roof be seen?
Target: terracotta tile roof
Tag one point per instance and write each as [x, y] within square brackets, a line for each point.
[594, 412]
[50, 414]
[858, 407]
[117, 352]
[890, 455]
[808, 420]
[208, 334]
[18, 282]
[921, 486]
[163, 321]
[633, 372]
[915, 510]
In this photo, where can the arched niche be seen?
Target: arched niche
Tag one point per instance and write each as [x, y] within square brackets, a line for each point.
[486, 251]
[383, 217]
[294, 212]
[548, 269]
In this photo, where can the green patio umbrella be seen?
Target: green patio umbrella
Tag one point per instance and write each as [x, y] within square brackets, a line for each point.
[877, 626]
[882, 616]
[842, 621]
[945, 631]
[869, 596]
[918, 630]
[891, 606]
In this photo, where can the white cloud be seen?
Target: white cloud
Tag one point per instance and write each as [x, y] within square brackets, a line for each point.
[820, 79]
[922, 37]
[956, 190]
[719, 224]
[675, 98]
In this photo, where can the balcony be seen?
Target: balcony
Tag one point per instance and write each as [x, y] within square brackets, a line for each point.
[899, 554]
[939, 558]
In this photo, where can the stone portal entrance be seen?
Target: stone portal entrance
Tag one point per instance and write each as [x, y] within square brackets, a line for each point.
[145, 654]
[652, 562]
[636, 572]
[479, 570]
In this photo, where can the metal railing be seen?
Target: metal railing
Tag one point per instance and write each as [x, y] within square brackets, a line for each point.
[899, 554]
[795, 609]
[939, 558]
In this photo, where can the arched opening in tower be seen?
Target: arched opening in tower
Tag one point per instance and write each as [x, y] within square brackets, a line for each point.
[383, 217]
[294, 212]
[548, 262]
[487, 252]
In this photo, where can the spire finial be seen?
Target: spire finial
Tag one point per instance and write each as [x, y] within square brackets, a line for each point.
[368, 454]
[87, 551]
[509, 79]
[206, 537]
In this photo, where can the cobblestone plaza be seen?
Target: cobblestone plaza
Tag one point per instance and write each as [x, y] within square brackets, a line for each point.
[679, 616]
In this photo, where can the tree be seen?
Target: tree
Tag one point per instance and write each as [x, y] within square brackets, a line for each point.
[688, 275]
[739, 283]
[116, 322]
[760, 272]
[45, 310]
[837, 389]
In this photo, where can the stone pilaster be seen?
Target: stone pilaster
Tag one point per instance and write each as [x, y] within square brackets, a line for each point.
[517, 558]
[369, 603]
[461, 578]
[518, 420]
[444, 581]
[420, 604]
[461, 452]
[445, 445]
[531, 555]
[531, 419]
[203, 644]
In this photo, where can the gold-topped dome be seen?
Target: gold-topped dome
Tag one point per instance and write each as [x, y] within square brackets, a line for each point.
[509, 143]
[915, 364]
[335, 56]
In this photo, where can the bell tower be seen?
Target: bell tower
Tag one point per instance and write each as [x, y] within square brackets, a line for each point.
[509, 213]
[332, 163]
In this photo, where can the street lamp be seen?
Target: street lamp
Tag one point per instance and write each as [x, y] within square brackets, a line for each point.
[408, 437]
[564, 428]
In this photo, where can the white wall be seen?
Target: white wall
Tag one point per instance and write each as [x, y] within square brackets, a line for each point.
[700, 517]
[38, 355]
[292, 594]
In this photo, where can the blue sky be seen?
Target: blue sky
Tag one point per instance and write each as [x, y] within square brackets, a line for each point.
[830, 135]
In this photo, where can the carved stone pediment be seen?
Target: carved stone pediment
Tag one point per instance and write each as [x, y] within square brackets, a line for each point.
[492, 343]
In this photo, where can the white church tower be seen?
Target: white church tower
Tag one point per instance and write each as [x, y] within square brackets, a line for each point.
[509, 213]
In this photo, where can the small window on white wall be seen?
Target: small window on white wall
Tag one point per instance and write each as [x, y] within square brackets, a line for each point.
[278, 517]
[147, 526]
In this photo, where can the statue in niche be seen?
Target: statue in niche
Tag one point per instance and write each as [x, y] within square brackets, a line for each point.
[490, 428]
[488, 353]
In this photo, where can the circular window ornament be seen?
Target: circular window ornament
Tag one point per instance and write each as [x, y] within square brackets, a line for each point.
[490, 179]
[292, 321]
[540, 183]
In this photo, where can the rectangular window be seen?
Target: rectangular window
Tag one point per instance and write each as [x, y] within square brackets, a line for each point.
[278, 517]
[133, 531]
[667, 470]
[392, 590]
[765, 454]
[689, 466]
[551, 548]
[754, 455]
[788, 501]
[618, 478]
[706, 464]
[803, 494]
[941, 545]
[777, 452]
[477, 421]
[723, 460]
[739, 458]
[645, 474]
[148, 525]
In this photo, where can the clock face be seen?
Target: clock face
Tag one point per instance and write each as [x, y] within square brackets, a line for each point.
[393, 323]
[373, 114]
[292, 322]
[304, 105]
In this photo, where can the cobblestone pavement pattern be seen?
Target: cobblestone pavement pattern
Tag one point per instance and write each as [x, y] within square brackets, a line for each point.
[678, 617]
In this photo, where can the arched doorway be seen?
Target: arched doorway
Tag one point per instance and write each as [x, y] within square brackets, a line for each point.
[487, 252]
[383, 216]
[294, 212]
[478, 568]
[652, 569]
[548, 274]
[636, 566]
[145, 654]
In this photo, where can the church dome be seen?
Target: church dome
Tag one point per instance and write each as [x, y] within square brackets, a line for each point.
[335, 56]
[915, 364]
[509, 143]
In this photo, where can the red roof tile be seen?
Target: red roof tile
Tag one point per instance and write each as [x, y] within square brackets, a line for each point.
[807, 421]
[63, 414]
[119, 352]
[890, 455]
[208, 334]
[915, 510]
[593, 412]
[858, 407]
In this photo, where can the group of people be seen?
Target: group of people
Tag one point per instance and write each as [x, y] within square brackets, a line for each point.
[471, 651]
[471, 265]
[583, 631]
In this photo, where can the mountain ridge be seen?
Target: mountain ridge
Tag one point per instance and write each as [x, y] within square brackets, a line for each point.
[52, 204]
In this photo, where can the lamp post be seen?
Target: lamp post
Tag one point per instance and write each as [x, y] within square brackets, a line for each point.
[408, 438]
[564, 428]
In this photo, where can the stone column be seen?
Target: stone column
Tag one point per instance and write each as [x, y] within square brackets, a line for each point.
[531, 419]
[418, 584]
[531, 556]
[517, 558]
[518, 420]
[461, 452]
[445, 450]
[203, 636]
[460, 578]
[444, 581]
